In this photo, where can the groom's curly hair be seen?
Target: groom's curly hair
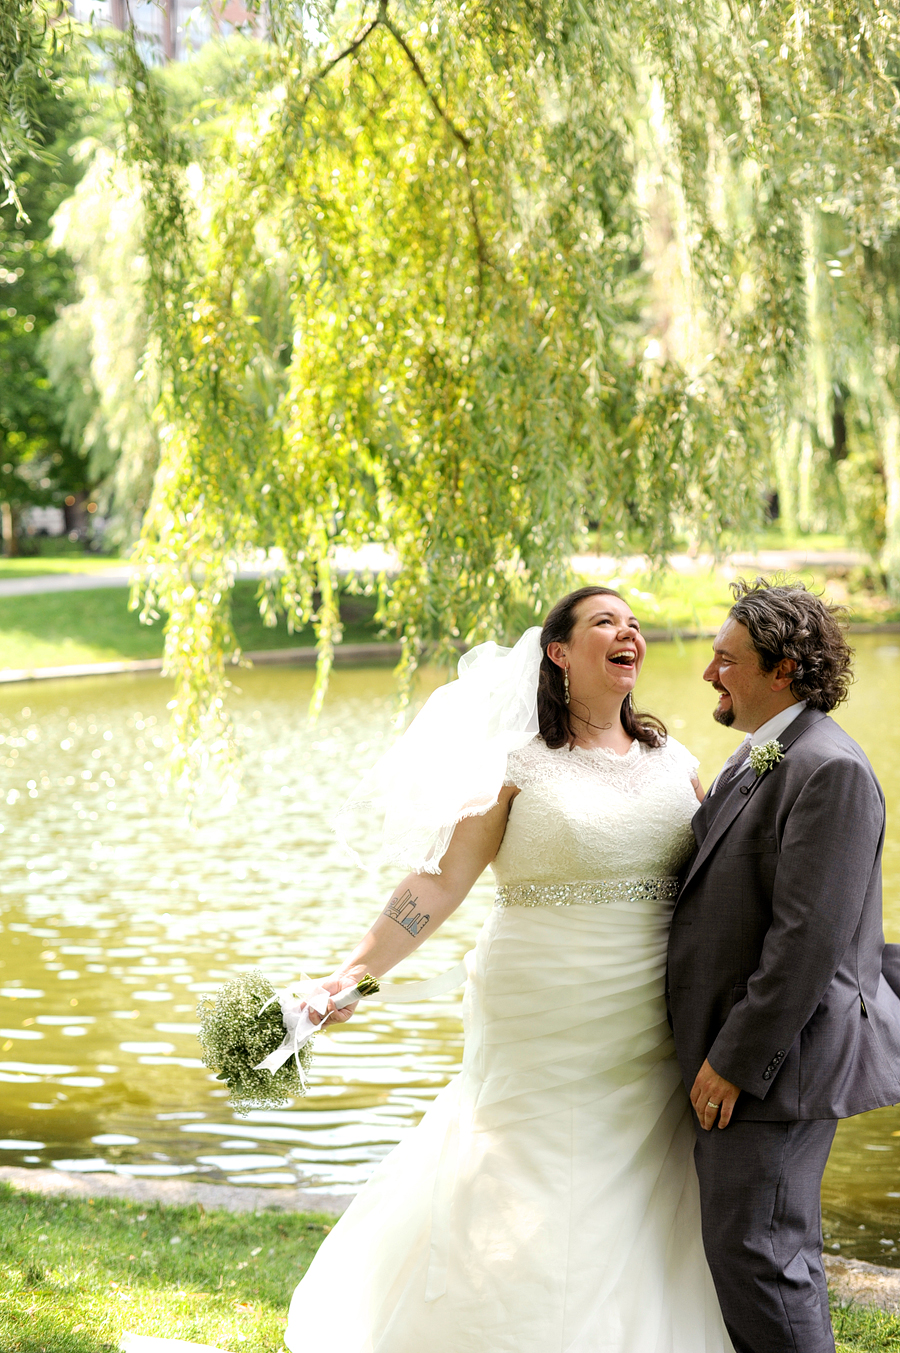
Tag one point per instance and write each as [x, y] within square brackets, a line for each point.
[786, 620]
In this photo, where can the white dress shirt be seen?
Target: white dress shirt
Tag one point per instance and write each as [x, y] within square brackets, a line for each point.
[772, 728]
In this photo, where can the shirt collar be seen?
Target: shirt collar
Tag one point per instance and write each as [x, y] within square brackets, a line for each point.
[776, 726]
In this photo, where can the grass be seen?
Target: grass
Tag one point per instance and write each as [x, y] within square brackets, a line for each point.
[55, 629]
[34, 566]
[78, 1274]
[59, 629]
[860, 1329]
[700, 601]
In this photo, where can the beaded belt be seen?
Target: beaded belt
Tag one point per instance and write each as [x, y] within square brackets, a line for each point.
[568, 894]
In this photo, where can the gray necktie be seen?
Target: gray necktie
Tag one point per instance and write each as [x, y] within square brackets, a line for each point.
[735, 763]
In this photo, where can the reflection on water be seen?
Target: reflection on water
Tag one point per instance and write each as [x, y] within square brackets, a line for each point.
[116, 913]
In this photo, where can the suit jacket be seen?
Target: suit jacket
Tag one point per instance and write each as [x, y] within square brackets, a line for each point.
[778, 970]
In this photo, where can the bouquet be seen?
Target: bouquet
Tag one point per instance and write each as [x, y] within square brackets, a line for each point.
[258, 1040]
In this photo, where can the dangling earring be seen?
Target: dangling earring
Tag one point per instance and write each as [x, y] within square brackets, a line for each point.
[566, 683]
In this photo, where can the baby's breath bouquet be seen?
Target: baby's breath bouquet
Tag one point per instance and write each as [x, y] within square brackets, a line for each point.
[258, 1040]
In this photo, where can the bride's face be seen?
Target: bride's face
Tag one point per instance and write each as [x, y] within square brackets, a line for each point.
[606, 644]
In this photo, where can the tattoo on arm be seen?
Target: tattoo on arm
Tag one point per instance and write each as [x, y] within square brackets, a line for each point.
[402, 909]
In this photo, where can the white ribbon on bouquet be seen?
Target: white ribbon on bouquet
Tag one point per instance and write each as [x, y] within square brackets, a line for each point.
[297, 1001]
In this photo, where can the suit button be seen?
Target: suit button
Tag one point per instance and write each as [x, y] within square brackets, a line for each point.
[767, 1075]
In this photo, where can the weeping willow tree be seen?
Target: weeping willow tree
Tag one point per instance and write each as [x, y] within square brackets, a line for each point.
[840, 462]
[463, 278]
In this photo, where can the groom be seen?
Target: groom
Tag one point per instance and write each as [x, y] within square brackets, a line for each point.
[783, 1019]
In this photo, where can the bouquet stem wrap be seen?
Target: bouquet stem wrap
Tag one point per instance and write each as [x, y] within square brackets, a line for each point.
[296, 1002]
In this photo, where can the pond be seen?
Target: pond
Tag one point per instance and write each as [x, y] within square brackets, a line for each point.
[115, 914]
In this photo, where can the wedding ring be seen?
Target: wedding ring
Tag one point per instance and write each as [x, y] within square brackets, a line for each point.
[711, 1105]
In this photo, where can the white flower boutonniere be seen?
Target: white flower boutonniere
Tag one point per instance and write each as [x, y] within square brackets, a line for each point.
[766, 755]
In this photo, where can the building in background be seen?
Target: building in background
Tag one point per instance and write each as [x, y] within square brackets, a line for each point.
[174, 28]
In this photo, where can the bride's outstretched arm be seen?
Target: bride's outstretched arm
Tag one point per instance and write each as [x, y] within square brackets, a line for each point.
[422, 902]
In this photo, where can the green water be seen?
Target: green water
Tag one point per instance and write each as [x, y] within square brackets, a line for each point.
[115, 914]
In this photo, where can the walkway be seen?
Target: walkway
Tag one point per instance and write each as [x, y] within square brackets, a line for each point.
[594, 565]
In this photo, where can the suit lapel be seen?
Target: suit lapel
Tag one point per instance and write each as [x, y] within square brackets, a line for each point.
[740, 792]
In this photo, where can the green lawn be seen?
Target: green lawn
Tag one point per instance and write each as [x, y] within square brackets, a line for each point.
[57, 629]
[77, 1275]
[53, 629]
[861, 1330]
[700, 601]
[34, 566]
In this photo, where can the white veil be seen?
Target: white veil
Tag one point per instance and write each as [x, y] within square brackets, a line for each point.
[451, 762]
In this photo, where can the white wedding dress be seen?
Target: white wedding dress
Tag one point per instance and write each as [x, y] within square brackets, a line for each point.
[547, 1202]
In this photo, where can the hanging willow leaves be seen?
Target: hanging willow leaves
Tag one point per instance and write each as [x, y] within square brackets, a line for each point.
[33, 34]
[465, 280]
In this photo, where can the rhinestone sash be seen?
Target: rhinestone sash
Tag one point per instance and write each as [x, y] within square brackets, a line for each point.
[596, 893]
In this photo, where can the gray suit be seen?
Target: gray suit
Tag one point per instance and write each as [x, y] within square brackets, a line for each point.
[778, 973]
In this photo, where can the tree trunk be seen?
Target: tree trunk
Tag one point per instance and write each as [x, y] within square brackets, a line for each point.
[9, 523]
[890, 556]
[169, 27]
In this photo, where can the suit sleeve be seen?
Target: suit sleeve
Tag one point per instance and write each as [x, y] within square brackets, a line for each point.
[828, 851]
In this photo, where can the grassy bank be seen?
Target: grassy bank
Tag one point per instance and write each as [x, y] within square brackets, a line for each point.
[53, 629]
[77, 1275]
[678, 601]
[40, 566]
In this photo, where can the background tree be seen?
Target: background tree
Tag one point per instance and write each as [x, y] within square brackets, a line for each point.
[38, 463]
[98, 353]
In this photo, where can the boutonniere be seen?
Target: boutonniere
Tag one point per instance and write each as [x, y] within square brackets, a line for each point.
[766, 755]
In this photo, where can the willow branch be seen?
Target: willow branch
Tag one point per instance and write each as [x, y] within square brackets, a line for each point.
[341, 56]
[457, 132]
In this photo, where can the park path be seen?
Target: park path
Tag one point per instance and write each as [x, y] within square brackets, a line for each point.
[594, 565]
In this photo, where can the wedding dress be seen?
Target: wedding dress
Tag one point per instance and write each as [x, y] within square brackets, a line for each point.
[547, 1202]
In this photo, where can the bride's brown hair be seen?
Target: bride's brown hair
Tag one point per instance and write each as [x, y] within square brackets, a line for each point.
[554, 715]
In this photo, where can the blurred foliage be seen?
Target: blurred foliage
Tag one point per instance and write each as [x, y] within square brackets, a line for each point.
[32, 34]
[98, 353]
[476, 280]
[38, 463]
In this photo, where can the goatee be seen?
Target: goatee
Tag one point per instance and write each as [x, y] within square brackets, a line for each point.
[724, 716]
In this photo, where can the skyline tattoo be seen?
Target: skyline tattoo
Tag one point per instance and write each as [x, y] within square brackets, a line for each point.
[403, 911]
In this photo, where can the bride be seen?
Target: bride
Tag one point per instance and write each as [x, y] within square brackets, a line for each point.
[547, 1200]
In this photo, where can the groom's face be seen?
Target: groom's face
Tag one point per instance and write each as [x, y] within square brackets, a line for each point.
[745, 690]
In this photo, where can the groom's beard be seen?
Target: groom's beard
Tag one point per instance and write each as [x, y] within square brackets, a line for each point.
[724, 716]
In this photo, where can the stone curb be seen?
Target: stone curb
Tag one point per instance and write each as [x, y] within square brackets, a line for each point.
[172, 1192]
[854, 1282]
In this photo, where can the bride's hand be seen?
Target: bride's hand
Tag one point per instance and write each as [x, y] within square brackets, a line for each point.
[334, 986]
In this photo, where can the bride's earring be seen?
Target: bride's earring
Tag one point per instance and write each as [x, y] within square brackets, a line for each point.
[566, 683]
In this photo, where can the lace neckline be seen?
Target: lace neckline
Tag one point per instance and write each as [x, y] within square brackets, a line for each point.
[607, 753]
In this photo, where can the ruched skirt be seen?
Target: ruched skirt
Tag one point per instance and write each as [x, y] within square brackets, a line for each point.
[547, 1201]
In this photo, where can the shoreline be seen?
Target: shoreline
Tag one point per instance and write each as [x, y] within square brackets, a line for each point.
[345, 655]
[852, 1282]
[173, 1192]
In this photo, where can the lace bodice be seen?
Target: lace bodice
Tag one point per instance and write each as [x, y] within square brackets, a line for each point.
[589, 815]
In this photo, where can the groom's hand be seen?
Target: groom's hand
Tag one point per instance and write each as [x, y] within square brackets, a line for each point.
[713, 1097]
